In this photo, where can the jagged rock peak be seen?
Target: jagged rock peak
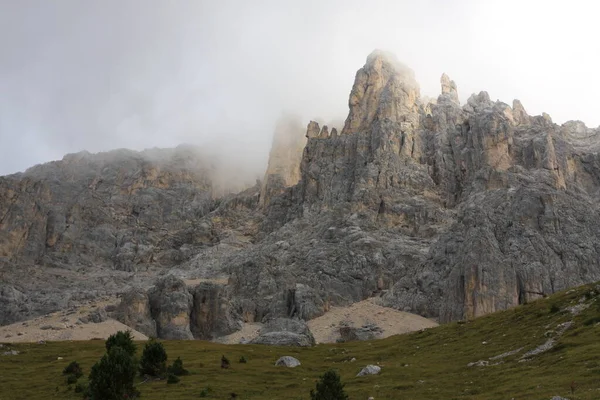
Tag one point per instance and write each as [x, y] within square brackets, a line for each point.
[324, 132]
[519, 114]
[313, 130]
[283, 169]
[478, 102]
[383, 88]
[449, 89]
[576, 126]
[383, 60]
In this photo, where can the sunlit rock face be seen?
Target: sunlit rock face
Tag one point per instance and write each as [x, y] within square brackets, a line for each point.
[445, 209]
[283, 169]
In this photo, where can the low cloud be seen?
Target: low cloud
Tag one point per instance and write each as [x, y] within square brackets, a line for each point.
[147, 73]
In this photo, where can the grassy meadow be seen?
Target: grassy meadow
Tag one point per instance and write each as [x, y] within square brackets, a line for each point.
[431, 364]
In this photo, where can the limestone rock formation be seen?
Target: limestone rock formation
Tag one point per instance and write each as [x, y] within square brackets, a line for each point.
[89, 225]
[283, 169]
[442, 209]
[171, 305]
[97, 316]
[134, 311]
[11, 303]
[172, 310]
[447, 211]
[213, 313]
[449, 89]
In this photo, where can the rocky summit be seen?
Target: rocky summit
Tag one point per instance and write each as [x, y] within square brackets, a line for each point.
[443, 209]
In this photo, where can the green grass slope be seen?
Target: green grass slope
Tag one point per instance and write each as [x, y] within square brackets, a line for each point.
[425, 365]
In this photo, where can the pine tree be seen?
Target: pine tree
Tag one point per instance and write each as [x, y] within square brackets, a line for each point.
[154, 359]
[112, 377]
[123, 340]
[329, 387]
[177, 368]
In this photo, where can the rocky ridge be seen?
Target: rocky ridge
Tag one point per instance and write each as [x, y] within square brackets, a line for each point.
[446, 210]
[91, 225]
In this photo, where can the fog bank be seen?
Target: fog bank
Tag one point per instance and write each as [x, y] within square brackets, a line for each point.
[81, 75]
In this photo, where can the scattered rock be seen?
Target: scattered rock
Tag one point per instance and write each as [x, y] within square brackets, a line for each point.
[11, 353]
[97, 316]
[51, 327]
[560, 329]
[365, 332]
[577, 309]
[370, 370]
[507, 354]
[285, 332]
[287, 361]
[480, 363]
[110, 308]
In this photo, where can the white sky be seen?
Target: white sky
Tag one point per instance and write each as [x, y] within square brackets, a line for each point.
[104, 74]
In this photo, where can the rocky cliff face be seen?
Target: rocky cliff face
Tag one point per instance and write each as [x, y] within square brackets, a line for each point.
[172, 310]
[283, 169]
[119, 209]
[447, 210]
[89, 223]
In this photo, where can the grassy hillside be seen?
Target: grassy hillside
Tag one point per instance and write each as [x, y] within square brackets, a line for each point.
[428, 365]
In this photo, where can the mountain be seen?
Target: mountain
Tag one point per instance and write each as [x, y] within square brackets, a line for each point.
[446, 210]
[86, 225]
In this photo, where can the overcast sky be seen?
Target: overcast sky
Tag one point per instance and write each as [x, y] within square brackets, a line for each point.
[105, 74]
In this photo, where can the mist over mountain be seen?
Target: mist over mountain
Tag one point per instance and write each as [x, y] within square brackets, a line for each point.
[437, 207]
[140, 74]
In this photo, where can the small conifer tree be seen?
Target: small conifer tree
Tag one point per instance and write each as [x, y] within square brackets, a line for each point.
[123, 340]
[329, 387]
[177, 368]
[112, 377]
[73, 369]
[224, 362]
[154, 359]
